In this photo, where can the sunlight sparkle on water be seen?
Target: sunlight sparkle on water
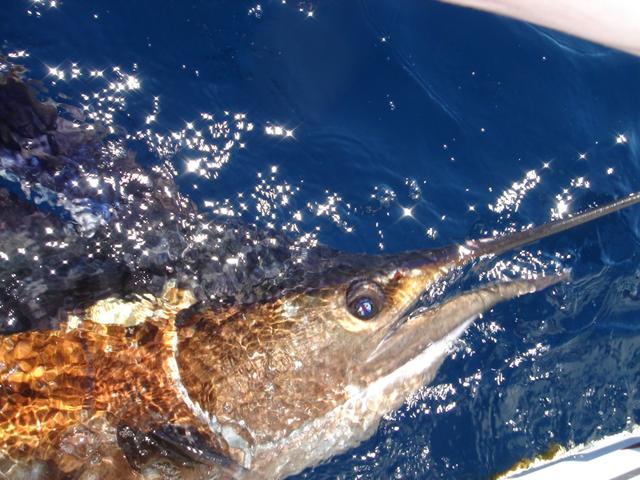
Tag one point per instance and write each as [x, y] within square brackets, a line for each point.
[49, 3]
[525, 264]
[334, 208]
[131, 82]
[193, 165]
[621, 138]
[256, 11]
[580, 182]
[38, 5]
[407, 212]
[277, 131]
[56, 72]
[306, 8]
[18, 54]
[510, 199]
[561, 208]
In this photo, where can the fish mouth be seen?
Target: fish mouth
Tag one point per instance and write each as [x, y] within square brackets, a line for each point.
[417, 328]
[414, 330]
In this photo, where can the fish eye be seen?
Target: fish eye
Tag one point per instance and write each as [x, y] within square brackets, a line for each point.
[364, 299]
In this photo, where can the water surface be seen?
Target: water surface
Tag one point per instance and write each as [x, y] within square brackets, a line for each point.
[382, 126]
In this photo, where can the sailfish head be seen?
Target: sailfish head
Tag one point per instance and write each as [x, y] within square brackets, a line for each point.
[290, 382]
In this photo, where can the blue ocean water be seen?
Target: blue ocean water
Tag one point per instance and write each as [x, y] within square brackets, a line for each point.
[393, 126]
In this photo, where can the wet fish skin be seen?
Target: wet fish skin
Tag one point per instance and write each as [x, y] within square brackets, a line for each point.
[270, 387]
[280, 376]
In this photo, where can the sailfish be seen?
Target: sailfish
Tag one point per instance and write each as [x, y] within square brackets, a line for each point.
[164, 386]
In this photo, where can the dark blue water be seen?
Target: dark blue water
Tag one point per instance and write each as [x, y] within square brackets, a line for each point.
[404, 105]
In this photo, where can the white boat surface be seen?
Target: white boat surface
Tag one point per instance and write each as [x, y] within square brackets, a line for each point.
[614, 457]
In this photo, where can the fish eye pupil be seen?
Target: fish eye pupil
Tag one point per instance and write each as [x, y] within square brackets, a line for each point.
[364, 308]
[365, 299]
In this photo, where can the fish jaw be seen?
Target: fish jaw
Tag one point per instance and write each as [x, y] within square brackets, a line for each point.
[407, 361]
[355, 420]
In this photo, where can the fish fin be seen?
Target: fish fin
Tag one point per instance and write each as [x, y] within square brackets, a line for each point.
[176, 451]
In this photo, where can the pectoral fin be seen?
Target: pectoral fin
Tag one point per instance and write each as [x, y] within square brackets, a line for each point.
[176, 451]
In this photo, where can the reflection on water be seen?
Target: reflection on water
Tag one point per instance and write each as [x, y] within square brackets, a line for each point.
[556, 367]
